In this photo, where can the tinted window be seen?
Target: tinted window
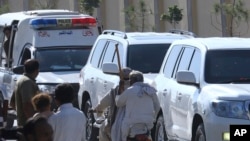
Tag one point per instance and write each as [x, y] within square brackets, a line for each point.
[62, 59]
[171, 61]
[196, 64]
[95, 59]
[226, 66]
[146, 58]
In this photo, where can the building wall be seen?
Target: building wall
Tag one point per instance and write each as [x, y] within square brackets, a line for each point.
[201, 20]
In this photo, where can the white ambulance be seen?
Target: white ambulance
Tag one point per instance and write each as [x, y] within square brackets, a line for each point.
[60, 40]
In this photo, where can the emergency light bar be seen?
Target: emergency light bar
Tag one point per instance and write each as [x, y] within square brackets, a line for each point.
[60, 22]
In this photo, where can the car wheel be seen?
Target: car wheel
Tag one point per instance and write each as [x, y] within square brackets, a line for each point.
[160, 132]
[200, 133]
[91, 133]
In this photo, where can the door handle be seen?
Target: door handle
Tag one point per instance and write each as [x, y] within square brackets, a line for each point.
[164, 92]
[179, 96]
[92, 80]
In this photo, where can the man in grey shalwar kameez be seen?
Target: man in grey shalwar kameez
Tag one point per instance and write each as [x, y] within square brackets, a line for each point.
[108, 101]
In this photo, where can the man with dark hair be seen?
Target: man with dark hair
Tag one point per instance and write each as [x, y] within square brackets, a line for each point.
[7, 32]
[25, 89]
[68, 123]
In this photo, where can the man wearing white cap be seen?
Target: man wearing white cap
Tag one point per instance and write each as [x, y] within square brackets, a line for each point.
[142, 106]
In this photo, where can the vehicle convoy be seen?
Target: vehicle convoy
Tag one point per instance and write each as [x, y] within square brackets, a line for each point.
[203, 87]
[143, 51]
[60, 40]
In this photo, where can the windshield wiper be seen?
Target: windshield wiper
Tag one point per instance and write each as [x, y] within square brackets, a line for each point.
[239, 80]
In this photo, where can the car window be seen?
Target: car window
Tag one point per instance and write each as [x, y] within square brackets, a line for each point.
[95, 59]
[71, 58]
[196, 64]
[109, 52]
[185, 59]
[171, 61]
[146, 58]
[226, 66]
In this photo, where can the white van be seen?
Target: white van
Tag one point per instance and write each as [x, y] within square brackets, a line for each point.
[60, 40]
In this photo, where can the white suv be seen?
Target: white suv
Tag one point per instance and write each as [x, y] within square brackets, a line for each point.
[203, 87]
[140, 51]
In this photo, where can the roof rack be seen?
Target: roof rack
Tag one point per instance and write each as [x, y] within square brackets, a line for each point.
[115, 32]
[183, 32]
[48, 13]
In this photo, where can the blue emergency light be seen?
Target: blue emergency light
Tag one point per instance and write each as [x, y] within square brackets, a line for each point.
[62, 22]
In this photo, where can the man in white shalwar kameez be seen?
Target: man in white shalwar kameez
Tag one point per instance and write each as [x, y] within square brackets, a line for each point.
[141, 107]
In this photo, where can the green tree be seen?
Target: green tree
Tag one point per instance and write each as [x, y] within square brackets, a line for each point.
[235, 14]
[4, 8]
[137, 16]
[46, 4]
[174, 15]
[88, 6]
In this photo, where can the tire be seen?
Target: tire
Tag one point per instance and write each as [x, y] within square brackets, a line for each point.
[91, 132]
[200, 133]
[160, 131]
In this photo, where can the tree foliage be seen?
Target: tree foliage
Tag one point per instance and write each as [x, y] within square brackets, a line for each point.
[88, 6]
[174, 15]
[235, 14]
[46, 4]
[137, 15]
[4, 8]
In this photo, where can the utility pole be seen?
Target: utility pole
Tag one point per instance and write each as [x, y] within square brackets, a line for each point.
[223, 20]
[126, 4]
[157, 16]
[190, 15]
[25, 5]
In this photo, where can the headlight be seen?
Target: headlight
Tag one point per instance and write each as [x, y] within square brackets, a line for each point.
[230, 109]
[47, 88]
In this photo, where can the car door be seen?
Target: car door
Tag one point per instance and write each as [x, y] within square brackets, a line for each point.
[107, 81]
[164, 82]
[92, 71]
[184, 94]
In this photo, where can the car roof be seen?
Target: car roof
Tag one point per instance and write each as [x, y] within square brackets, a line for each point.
[146, 37]
[217, 42]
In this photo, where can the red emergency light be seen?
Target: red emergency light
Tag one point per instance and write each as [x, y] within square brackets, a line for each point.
[62, 22]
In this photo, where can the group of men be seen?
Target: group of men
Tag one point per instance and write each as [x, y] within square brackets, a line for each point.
[66, 124]
[132, 109]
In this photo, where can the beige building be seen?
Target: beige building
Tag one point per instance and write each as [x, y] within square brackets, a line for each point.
[198, 15]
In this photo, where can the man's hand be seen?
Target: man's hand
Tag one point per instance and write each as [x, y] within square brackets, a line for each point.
[121, 86]
[92, 110]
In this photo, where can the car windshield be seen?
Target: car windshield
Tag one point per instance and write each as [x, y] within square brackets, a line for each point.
[146, 58]
[227, 66]
[62, 59]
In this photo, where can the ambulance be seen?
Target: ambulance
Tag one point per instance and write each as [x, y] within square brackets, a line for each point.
[60, 40]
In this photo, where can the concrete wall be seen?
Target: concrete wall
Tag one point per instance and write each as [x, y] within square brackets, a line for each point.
[201, 20]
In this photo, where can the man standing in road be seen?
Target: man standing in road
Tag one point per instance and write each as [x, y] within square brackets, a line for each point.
[68, 123]
[25, 89]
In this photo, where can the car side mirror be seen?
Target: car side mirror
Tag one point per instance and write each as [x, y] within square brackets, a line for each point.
[186, 77]
[18, 69]
[110, 68]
